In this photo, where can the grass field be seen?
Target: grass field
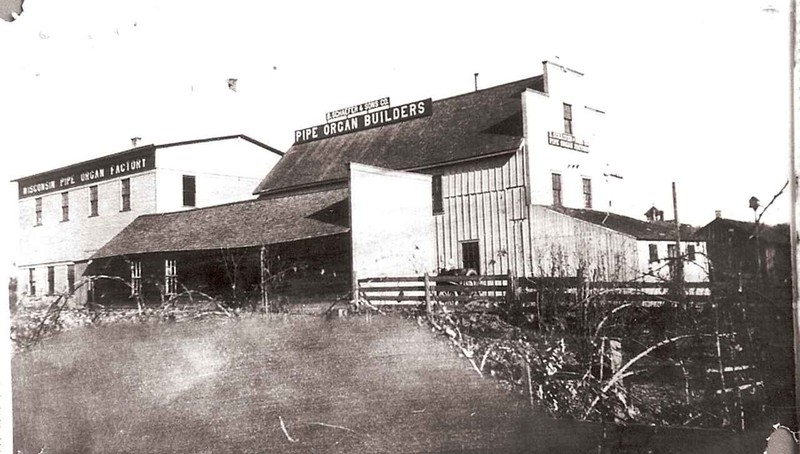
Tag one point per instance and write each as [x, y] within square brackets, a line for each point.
[348, 385]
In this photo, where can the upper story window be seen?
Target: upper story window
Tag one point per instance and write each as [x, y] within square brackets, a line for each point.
[93, 201]
[436, 193]
[125, 193]
[587, 193]
[653, 252]
[557, 199]
[567, 118]
[65, 206]
[38, 211]
[189, 190]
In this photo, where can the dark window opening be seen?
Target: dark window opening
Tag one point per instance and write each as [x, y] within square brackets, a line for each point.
[32, 281]
[557, 190]
[470, 255]
[136, 278]
[189, 190]
[71, 278]
[38, 211]
[436, 191]
[93, 201]
[65, 206]
[125, 191]
[653, 252]
[690, 252]
[567, 119]
[587, 193]
[51, 280]
[170, 277]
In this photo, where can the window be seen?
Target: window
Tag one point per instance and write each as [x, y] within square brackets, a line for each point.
[674, 266]
[567, 118]
[64, 206]
[690, 252]
[71, 278]
[32, 281]
[587, 193]
[557, 190]
[188, 191]
[436, 191]
[136, 278]
[470, 255]
[38, 211]
[170, 277]
[653, 252]
[125, 191]
[93, 201]
[51, 280]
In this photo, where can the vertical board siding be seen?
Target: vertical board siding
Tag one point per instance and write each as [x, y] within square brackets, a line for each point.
[487, 200]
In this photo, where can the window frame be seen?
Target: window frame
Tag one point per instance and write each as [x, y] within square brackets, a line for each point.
[653, 252]
[587, 193]
[32, 281]
[94, 201]
[125, 194]
[170, 277]
[65, 206]
[189, 191]
[136, 278]
[567, 118]
[557, 187]
[51, 280]
[38, 211]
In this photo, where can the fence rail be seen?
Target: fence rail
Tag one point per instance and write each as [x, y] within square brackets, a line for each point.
[506, 288]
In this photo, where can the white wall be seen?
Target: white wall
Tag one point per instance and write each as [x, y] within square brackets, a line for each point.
[696, 271]
[57, 241]
[225, 171]
[543, 113]
[391, 224]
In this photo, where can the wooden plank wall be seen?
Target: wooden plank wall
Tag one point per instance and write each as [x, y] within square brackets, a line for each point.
[486, 201]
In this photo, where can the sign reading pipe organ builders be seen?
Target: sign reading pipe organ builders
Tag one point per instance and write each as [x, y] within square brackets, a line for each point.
[90, 172]
[370, 120]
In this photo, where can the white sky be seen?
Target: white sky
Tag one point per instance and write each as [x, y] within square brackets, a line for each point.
[695, 92]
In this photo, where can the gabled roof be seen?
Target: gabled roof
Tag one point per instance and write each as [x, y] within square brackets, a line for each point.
[152, 147]
[235, 225]
[471, 125]
[776, 234]
[641, 230]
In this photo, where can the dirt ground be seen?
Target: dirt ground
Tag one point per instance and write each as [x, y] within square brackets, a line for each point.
[292, 383]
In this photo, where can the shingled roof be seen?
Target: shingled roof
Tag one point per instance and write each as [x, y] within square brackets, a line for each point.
[641, 230]
[471, 125]
[235, 225]
[776, 234]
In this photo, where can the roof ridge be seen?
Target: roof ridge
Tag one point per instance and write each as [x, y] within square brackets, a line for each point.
[488, 88]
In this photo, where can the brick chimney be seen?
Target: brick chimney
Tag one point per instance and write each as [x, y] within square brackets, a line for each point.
[717, 214]
[135, 141]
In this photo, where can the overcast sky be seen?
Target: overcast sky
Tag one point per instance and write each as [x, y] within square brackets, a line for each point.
[695, 92]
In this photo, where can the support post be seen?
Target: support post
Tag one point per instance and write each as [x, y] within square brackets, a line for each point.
[264, 278]
[511, 289]
[428, 303]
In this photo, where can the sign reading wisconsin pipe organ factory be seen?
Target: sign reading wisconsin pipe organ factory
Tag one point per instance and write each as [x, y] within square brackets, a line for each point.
[90, 172]
[357, 109]
[370, 120]
[567, 141]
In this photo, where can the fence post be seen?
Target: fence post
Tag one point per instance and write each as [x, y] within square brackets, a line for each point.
[428, 294]
[511, 288]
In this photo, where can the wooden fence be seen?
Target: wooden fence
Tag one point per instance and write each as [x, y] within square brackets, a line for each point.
[416, 290]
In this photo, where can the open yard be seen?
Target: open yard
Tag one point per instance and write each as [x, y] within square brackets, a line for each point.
[383, 384]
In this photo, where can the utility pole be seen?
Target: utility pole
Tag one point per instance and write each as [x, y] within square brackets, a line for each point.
[678, 278]
[795, 209]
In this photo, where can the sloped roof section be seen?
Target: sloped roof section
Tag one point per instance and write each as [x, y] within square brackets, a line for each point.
[471, 125]
[776, 234]
[641, 230]
[235, 225]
